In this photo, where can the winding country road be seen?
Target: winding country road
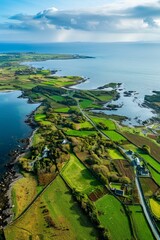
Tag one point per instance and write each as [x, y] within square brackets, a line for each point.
[90, 120]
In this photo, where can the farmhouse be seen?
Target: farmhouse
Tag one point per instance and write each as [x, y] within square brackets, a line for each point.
[142, 171]
[65, 141]
[116, 188]
[45, 152]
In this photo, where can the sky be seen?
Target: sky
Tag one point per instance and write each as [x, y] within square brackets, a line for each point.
[79, 21]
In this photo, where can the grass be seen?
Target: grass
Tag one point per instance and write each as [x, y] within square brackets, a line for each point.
[116, 186]
[155, 175]
[86, 103]
[55, 215]
[45, 123]
[139, 223]
[39, 117]
[57, 98]
[84, 125]
[107, 122]
[115, 154]
[151, 161]
[78, 133]
[112, 216]
[79, 177]
[114, 136]
[131, 147]
[23, 192]
[155, 207]
[62, 110]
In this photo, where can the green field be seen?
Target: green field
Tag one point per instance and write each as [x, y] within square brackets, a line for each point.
[39, 117]
[112, 216]
[151, 161]
[55, 215]
[114, 136]
[79, 177]
[139, 223]
[57, 98]
[78, 133]
[107, 122]
[85, 125]
[115, 154]
[155, 175]
[116, 186]
[62, 110]
[85, 103]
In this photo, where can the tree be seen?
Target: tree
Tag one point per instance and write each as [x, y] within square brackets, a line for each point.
[146, 149]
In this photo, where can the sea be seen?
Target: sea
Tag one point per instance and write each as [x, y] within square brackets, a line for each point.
[13, 113]
[135, 65]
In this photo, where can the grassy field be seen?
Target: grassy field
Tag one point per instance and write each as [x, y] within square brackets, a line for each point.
[84, 125]
[57, 98]
[39, 117]
[79, 177]
[155, 175]
[115, 154]
[139, 223]
[78, 133]
[107, 122]
[155, 207]
[151, 161]
[55, 215]
[62, 110]
[114, 136]
[130, 147]
[86, 103]
[23, 192]
[112, 216]
[116, 186]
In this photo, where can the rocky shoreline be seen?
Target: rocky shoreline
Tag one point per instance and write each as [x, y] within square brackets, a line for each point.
[12, 175]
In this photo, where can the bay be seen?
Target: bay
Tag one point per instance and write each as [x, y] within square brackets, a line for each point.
[135, 65]
[13, 112]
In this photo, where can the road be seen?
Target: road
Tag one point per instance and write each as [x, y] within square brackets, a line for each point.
[142, 201]
[145, 210]
[90, 120]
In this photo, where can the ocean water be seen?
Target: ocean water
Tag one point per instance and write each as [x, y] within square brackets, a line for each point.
[135, 65]
[13, 112]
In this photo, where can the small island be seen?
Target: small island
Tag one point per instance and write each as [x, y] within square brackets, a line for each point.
[83, 173]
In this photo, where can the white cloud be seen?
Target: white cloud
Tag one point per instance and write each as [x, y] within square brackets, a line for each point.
[122, 20]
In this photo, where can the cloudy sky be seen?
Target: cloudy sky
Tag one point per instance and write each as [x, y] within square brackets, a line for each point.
[77, 20]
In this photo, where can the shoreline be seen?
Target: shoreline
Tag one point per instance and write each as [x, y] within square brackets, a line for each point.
[12, 174]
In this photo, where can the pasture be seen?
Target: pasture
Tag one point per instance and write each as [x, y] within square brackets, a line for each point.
[107, 122]
[139, 223]
[79, 177]
[78, 133]
[55, 215]
[114, 136]
[113, 217]
[115, 154]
